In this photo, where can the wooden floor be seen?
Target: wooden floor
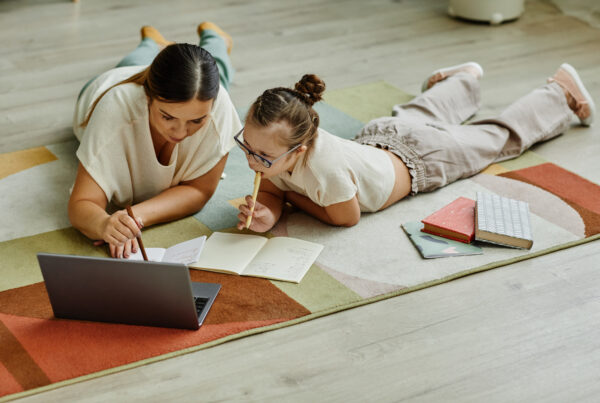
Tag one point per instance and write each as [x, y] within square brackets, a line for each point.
[525, 332]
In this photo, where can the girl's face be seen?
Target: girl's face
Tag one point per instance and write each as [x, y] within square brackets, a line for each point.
[173, 122]
[266, 142]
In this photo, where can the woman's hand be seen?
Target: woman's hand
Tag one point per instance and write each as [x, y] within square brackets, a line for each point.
[119, 231]
[263, 218]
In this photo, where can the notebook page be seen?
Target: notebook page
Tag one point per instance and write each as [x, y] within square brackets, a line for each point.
[229, 252]
[154, 254]
[284, 258]
[185, 252]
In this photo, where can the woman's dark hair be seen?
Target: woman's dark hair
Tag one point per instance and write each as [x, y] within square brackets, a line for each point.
[179, 73]
[293, 106]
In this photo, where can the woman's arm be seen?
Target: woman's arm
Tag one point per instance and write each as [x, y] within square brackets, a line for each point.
[87, 213]
[344, 214]
[181, 200]
[87, 208]
[269, 205]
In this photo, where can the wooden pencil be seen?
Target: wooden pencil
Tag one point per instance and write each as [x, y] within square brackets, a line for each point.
[257, 178]
[139, 238]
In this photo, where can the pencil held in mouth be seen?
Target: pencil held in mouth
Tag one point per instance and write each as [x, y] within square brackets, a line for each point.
[139, 238]
[254, 195]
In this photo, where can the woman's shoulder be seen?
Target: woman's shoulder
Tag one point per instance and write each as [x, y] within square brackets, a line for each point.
[125, 101]
[119, 114]
[112, 77]
[225, 120]
[223, 102]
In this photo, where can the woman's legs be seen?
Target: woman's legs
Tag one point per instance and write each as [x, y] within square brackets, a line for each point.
[212, 38]
[218, 43]
[152, 42]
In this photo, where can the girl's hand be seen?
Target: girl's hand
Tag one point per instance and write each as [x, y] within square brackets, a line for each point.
[119, 232]
[263, 218]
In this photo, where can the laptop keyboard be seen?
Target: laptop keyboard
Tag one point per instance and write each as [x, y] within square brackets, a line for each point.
[200, 304]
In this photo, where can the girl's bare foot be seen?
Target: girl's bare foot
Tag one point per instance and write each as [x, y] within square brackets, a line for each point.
[578, 98]
[441, 74]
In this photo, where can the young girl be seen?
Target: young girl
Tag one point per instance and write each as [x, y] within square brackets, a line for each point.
[155, 133]
[423, 146]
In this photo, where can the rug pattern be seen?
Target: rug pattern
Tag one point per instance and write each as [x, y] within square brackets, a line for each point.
[368, 262]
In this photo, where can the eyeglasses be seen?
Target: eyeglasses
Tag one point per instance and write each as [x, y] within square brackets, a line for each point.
[265, 162]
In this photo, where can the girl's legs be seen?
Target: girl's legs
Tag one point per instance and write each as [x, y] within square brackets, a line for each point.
[451, 152]
[417, 133]
[218, 43]
[438, 153]
[538, 116]
[452, 100]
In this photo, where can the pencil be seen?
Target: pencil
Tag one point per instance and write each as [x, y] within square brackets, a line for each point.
[139, 238]
[254, 195]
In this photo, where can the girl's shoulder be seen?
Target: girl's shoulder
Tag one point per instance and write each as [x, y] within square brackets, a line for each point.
[329, 151]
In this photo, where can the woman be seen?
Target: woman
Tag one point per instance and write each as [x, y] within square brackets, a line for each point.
[155, 133]
[422, 147]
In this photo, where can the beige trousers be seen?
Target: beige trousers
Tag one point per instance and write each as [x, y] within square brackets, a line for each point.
[428, 134]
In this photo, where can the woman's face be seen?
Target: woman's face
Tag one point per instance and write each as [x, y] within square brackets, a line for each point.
[176, 121]
[266, 142]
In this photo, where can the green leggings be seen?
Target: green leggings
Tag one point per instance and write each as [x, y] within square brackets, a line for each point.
[147, 50]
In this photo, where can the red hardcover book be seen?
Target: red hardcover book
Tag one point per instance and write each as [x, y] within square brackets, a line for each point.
[454, 221]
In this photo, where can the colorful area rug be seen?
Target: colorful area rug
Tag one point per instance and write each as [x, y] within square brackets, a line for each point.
[366, 263]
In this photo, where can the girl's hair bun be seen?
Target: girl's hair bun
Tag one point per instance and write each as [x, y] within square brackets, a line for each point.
[311, 87]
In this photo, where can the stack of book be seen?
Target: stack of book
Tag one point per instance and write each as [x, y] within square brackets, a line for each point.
[491, 218]
[455, 221]
[502, 221]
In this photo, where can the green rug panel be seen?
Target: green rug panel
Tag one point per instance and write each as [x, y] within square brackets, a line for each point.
[318, 291]
[526, 160]
[19, 266]
[368, 101]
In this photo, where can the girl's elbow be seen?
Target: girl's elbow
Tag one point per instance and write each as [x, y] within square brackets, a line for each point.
[353, 221]
[347, 221]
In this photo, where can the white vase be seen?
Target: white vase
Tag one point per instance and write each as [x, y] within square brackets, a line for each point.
[492, 11]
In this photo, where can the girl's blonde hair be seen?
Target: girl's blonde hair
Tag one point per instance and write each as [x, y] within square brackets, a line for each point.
[179, 73]
[293, 106]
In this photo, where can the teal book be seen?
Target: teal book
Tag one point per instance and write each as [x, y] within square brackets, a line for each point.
[433, 246]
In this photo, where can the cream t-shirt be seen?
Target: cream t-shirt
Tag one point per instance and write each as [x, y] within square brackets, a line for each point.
[337, 169]
[116, 146]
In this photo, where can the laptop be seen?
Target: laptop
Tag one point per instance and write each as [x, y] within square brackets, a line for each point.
[125, 291]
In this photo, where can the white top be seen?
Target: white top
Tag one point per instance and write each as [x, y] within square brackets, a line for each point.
[116, 146]
[337, 169]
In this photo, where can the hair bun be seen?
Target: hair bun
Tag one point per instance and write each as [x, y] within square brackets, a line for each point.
[311, 87]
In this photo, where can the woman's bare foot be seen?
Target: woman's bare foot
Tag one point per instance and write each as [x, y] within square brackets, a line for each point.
[214, 27]
[149, 31]
[578, 98]
[439, 75]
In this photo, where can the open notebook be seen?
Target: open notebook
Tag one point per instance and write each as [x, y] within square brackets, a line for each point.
[280, 258]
